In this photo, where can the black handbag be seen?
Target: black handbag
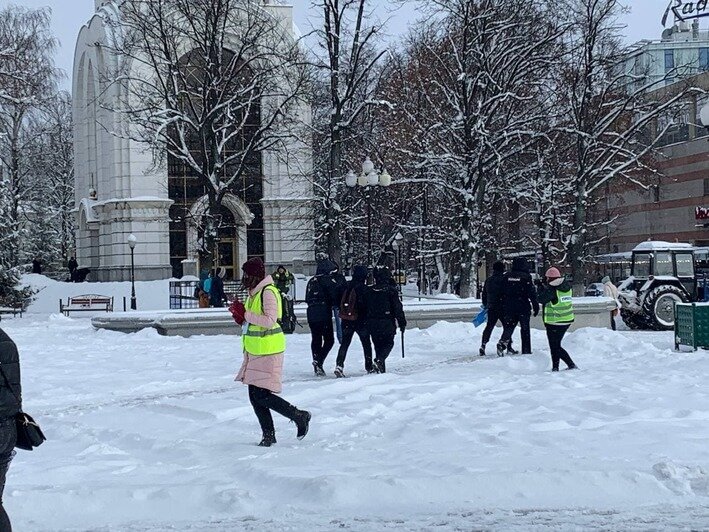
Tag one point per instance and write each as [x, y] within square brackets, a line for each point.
[29, 434]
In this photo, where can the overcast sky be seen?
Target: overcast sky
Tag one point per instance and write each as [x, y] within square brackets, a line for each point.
[69, 15]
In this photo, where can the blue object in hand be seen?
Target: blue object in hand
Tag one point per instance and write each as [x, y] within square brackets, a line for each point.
[480, 318]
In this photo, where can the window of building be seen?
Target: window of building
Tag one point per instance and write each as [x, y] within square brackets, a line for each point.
[703, 59]
[669, 60]
[656, 193]
[706, 187]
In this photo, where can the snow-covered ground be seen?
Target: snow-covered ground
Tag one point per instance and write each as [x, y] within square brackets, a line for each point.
[151, 433]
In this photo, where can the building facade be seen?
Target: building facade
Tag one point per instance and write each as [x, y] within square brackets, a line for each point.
[121, 191]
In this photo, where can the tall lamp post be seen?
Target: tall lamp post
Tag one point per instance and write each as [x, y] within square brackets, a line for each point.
[368, 179]
[131, 242]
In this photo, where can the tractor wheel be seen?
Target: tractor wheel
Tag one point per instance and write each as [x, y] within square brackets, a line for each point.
[633, 321]
[659, 306]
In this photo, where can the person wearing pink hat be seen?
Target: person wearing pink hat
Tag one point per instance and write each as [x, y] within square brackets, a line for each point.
[558, 315]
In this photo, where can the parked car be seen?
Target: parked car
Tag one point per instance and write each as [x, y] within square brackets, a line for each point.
[594, 290]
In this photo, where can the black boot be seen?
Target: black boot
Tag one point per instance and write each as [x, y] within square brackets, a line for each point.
[269, 438]
[482, 350]
[511, 350]
[301, 418]
[319, 371]
[501, 349]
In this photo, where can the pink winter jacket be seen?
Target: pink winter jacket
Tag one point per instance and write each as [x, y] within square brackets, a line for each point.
[263, 371]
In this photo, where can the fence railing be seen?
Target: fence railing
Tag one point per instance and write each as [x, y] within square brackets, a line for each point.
[182, 293]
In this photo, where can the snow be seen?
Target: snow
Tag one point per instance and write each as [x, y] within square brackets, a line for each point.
[663, 246]
[151, 433]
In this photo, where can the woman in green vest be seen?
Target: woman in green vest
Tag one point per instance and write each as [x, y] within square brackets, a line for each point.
[558, 312]
[264, 345]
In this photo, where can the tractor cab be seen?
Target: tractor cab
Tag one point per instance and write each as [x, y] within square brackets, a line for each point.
[662, 274]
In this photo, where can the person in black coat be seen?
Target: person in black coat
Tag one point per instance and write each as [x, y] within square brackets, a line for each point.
[354, 319]
[492, 301]
[37, 265]
[72, 265]
[10, 406]
[321, 294]
[384, 312]
[217, 297]
[519, 300]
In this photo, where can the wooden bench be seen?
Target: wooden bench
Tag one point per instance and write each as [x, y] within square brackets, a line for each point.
[12, 310]
[86, 303]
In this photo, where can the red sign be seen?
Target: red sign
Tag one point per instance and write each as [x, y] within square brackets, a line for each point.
[701, 213]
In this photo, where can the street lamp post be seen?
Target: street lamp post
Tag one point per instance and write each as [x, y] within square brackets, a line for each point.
[367, 179]
[131, 242]
[397, 245]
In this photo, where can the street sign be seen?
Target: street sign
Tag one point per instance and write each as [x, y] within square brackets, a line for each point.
[686, 9]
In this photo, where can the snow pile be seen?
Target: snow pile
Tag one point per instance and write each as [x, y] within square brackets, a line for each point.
[151, 433]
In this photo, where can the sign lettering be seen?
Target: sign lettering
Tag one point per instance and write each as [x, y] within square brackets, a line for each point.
[701, 213]
[686, 9]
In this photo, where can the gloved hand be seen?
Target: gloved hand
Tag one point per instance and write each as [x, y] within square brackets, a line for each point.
[402, 325]
[238, 311]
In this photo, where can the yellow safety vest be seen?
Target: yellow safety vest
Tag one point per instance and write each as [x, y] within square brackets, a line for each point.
[562, 311]
[260, 341]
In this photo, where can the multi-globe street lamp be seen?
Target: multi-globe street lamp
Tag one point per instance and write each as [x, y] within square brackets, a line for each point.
[132, 240]
[368, 179]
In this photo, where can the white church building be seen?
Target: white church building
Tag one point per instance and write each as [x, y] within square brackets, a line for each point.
[119, 191]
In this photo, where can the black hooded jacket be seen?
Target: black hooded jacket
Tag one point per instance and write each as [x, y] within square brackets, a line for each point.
[10, 399]
[492, 291]
[322, 293]
[383, 306]
[359, 278]
[519, 297]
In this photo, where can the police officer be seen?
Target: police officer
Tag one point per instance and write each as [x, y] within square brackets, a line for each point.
[519, 300]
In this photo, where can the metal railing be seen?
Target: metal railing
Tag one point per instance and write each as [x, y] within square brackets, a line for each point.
[182, 293]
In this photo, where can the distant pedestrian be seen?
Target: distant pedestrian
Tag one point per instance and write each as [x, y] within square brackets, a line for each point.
[556, 298]
[610, 290]
[37, 265]
[492, 301]
[72, 265]
[519, 300]
[283, 279]
[264, 346]
[354, 321]
[384, 313]
[320, 296]
[10, 406]
[217, 297]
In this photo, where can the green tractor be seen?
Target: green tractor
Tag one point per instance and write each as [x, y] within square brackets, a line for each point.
[662, 275]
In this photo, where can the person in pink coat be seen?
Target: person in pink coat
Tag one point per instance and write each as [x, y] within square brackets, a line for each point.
[264, 346]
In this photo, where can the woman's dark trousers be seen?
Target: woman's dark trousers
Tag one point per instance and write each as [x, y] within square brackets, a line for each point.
[264, 401]
[555, 334]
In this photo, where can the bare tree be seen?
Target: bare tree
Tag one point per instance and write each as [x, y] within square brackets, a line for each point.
[607, 119]
[347, 82]
[212, 84]
[27, 80]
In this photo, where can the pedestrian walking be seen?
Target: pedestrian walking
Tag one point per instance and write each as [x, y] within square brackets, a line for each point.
[353, 314]
[217, 297]
[340, 286]
[37, 265]
[320, 296]
[384, 312]
[264, 346]
[558, 313]
[611, 290]
[492, 301]
[10, 406]
[519, 300]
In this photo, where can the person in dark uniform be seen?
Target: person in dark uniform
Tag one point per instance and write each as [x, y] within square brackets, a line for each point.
[10, 406]
[384, 312]
[354, 316]
[321, 295]
[519, 300]
[72, 265]
[217, 297]
[37, 265]
[492, 301]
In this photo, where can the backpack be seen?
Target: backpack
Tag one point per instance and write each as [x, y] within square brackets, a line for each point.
[379, 307]
[348, 305]
[315, 293]
[288, 320]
